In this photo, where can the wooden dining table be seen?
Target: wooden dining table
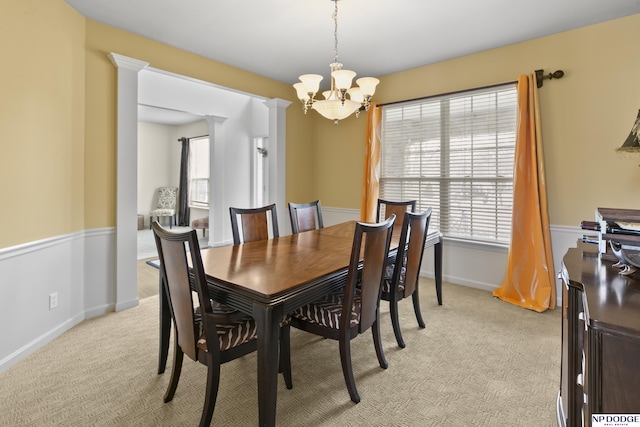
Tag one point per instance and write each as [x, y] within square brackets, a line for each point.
[268, 279]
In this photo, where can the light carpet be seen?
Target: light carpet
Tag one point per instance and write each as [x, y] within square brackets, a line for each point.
[479, 362]
[147, 245]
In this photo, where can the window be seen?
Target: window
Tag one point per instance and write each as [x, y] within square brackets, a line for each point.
[199, 172]
[454, 153]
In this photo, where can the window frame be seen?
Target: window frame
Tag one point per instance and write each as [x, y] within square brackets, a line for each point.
[198, 204]
[436, 187]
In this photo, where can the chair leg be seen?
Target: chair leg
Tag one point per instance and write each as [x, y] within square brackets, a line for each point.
[438, 269]
[395, 321]
[416, 308]
[175, 374]
[165, 326]
[347, 369]
[213, 381]
[285, 355]
[377, 342]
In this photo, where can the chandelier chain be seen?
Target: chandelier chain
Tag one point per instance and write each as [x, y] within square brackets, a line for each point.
[335, 31]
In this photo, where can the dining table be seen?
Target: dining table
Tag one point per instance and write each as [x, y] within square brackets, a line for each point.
[269, 279]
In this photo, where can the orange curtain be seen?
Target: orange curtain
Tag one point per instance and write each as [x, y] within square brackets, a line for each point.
[371, 165]
[529, 280]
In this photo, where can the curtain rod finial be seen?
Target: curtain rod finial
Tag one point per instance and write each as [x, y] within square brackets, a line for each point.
[558, 74]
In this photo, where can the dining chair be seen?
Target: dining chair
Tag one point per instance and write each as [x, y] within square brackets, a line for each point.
[402, 277]
[351, 310]
[386, 208]
[253, 223]
[305, 216]
[165, 205]
[204, 334]
[435, 238]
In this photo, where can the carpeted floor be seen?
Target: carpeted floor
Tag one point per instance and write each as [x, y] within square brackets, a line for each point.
[148, 279]
[147, 246]
[479, 362]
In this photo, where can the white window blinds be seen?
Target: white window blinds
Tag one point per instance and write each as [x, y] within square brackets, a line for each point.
[454, 153]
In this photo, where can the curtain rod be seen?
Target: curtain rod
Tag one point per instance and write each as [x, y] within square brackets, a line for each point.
[192, 137]
[540, 76]
[446, 93]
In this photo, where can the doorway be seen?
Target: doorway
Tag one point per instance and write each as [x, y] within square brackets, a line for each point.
[126, 205]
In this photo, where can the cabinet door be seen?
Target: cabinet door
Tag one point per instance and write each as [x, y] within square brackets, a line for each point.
[582, 363]
[564, 366]
[615, 388]
[571, 377]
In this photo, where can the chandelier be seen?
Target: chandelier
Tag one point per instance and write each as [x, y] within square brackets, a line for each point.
[336, 105]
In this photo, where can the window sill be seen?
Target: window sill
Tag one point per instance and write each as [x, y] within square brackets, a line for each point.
[475, 244]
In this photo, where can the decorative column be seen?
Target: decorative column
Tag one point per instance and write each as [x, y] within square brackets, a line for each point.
[218, 216]
[127, 180]
[278, 157]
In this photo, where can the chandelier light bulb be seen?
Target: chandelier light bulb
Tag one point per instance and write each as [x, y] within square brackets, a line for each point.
[330, 95]
[301, 91]
[342, 78]
[355, 94]
[311, 82]
[367, 85]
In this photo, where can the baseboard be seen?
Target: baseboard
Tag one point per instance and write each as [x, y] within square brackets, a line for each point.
[127, 304]
[39, 342]
[101, 310]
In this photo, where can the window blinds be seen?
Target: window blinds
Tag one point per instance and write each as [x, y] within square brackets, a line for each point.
[454, 153]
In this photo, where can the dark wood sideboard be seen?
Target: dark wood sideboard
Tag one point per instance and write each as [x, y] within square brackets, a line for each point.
[600, 372]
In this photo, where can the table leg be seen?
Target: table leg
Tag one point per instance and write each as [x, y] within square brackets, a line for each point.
[268, 322]
[165, 326]
[438, 269]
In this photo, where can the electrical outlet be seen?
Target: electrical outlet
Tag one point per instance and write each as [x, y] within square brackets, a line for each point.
[53, 300]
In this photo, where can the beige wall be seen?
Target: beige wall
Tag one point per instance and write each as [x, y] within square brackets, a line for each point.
[585, 116]
[58, 117]
[41, 120]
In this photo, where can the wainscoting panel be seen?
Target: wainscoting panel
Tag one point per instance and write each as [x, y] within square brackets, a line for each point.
[73, 267]
[80, 268]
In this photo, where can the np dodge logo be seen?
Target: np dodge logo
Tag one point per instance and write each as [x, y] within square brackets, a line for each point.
[615, 420]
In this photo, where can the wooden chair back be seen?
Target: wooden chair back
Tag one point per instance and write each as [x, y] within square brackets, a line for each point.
[305, 216]
[366, 270]
[254, 223]
[386, 208]
[410, 250]
[176, 252]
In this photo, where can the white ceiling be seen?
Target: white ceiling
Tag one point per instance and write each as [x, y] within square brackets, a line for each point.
[170, 99]
[282, 39]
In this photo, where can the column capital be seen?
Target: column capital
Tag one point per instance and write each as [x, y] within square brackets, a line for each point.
[277, 102]
[214, 119]
[122, 61]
